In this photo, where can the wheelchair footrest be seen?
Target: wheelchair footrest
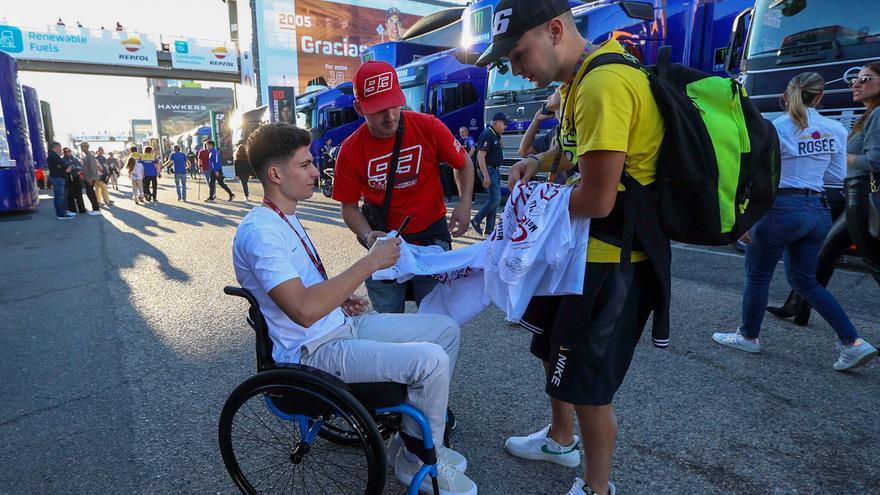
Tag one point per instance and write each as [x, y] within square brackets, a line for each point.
[417, 447]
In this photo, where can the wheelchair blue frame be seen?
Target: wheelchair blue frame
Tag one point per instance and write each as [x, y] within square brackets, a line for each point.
[309, 426]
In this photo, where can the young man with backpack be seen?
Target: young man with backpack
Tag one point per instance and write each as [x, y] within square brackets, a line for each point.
[612, 132]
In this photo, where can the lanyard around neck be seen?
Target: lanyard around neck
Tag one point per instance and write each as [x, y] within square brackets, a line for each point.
[316, 259]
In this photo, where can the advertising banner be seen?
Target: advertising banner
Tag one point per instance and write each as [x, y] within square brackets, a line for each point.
[141, 130]
[300, 40]
[78, 45]
[222, 136]
[203, 55]
[281, 104]
[182, 109]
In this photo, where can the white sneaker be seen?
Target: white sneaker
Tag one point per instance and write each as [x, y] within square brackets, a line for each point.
[94, 213]
[853, 356]
[539, 447]
[580, 488]
[458, 461]
[450, 480]
[737, 341]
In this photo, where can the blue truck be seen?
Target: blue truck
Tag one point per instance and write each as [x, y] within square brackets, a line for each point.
[778, 39]
[37, 136]
[18, 185]
[698, 32]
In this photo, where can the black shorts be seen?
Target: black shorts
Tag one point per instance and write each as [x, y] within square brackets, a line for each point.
[589, 339]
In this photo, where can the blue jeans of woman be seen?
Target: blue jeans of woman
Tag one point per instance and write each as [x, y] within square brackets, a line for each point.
[796, 226]
[490, 207]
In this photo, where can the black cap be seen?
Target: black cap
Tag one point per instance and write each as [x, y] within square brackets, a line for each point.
[500, 116]
[512, 19]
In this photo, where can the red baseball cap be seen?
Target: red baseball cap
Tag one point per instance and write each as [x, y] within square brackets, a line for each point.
[376, 87]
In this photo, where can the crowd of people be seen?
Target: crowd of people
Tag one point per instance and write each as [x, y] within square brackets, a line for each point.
[611, 128]
[71, 174]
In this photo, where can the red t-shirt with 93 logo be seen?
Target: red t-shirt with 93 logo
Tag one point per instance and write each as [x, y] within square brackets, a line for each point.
[363, 164]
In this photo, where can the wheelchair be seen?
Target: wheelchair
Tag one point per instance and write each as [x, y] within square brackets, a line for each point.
[296, 429]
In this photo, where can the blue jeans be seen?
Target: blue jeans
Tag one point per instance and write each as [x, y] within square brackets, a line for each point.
[212, 186]
[59, 200]
[180, 185]
[490, 207]
[388, 296]
[796, 226]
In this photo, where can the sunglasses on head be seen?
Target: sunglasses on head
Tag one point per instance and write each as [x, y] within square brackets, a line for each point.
[861, 80]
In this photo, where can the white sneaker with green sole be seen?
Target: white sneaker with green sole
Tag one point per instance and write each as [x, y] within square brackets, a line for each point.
[539, 447]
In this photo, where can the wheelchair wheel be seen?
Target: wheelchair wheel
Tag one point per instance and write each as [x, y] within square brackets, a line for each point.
[271, 443]
[339, 433]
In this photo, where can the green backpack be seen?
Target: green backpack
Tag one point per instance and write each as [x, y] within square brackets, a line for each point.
[719, 164]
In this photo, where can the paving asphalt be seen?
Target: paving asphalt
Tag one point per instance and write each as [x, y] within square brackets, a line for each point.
[118, 349]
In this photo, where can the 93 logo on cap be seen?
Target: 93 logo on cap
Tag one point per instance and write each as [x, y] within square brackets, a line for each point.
[501, 21]
[377, 84]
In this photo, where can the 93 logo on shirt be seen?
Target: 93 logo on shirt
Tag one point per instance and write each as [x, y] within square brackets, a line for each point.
[408, 165]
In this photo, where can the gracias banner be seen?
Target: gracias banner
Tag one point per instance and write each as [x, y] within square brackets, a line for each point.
[203, 55]
[300, 40]
[78, 45]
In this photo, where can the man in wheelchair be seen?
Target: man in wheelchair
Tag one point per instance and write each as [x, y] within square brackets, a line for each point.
[316, 320]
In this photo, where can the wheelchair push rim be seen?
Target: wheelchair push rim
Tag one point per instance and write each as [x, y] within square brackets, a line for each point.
[271, 443]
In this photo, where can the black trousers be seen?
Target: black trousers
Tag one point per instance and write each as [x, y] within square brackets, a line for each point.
[851, 227]
[244, 184]
[217, 178]
[75, 195]
[93, 198]
[150, 182]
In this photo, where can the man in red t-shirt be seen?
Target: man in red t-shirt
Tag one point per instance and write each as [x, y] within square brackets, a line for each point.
[362, 169]
[204, 159]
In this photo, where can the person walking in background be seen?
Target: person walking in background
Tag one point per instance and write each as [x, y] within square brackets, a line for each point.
[113, 166]
[812, 146]
[151, 173]
[490, 156]
[863, 158]
[58, 171]
[242, 169]
[136, 174]
[75, 203]
[204, 159]
[851, 227]
[193, 166]
[178, 161]
[217, 170]
[101, 185]
[90, 177]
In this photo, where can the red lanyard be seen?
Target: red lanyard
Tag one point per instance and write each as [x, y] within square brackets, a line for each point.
[316, 259]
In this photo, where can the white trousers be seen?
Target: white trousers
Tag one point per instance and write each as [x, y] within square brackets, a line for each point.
[418, 350]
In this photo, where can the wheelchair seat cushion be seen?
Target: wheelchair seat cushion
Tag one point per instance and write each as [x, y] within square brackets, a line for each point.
[380, 394]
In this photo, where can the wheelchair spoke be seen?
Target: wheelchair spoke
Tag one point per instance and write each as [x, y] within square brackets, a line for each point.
[265, 451]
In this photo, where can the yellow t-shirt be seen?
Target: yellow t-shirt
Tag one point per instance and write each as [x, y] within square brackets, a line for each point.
[612, 109]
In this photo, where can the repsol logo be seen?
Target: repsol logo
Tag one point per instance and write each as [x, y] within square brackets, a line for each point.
[141, 58]
[177, 106]
[221, 63]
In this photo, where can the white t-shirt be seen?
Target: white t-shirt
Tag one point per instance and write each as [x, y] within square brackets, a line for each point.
[137, 172]
[536, 249]
[812, 156]
[265, 253]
